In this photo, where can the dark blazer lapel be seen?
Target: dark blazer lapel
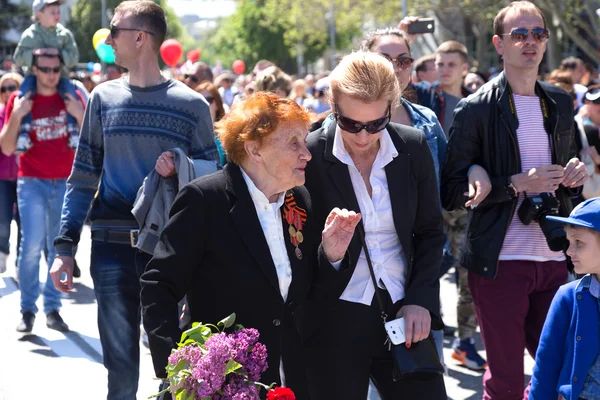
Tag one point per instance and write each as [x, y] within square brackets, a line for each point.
[398, 179]
[246, 220]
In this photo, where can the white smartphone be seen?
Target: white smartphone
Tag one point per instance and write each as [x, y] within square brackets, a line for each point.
[395, 330]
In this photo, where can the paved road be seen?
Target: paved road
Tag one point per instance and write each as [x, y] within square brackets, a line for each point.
[50, 365]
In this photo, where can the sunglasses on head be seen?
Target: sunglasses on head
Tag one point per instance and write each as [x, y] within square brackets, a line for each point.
[520, 35]
[351, 126]
[9, 88]
[114, 31]
[191, 77]
[400, 62]
[47, 70]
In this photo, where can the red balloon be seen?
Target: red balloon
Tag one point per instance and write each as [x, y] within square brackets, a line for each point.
[239, 67]
[171, 52]
[193, 55]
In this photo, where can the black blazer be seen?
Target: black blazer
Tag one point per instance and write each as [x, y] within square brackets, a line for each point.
[214, 251]
[415, 205]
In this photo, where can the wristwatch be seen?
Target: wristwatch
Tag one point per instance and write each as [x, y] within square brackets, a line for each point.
[512, 191]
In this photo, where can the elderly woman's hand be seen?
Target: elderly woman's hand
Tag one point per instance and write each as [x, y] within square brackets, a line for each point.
[417, 322]
[338, 232]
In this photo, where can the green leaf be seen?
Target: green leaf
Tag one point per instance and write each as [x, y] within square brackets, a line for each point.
[174, 369]
[232, 366]
[227, 322]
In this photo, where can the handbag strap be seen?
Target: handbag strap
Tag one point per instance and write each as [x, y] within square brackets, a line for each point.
[361, 234]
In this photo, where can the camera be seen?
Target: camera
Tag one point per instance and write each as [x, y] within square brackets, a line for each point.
[537, 208]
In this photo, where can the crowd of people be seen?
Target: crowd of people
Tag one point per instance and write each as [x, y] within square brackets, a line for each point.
[411, 168]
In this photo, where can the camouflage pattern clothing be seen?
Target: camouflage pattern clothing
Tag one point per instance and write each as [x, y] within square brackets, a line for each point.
[456, 229]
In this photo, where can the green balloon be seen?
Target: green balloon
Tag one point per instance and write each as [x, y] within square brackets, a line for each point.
[105, 53]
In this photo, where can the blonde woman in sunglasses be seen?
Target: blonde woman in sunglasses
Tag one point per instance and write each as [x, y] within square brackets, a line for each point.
[363, 163]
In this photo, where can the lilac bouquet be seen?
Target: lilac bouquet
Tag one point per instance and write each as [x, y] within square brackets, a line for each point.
[210, 364]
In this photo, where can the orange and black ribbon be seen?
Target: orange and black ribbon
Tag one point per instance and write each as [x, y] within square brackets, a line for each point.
[296, 218]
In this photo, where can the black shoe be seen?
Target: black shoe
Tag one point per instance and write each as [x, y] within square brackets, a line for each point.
[55, 321]
[27, 321]
[76, 270]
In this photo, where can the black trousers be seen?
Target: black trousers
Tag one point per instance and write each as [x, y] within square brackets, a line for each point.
[347, 348]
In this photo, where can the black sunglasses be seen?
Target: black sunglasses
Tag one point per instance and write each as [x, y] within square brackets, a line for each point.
[400, 62]
[209, 99]
[114, 31]
[351, 126]
[9, 88]
[193, 78]
[47, 70]
[520, 35]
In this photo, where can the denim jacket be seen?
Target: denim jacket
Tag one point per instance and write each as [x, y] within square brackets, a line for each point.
[423, 119]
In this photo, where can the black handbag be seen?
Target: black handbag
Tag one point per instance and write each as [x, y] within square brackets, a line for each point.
[421, 361]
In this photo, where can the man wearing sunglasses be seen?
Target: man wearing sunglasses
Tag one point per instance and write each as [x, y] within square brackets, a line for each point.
[521, 132]
[41, 185]
[130, 126]
[200, 72]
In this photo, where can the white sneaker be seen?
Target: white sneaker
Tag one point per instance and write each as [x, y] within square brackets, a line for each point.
[3, 259]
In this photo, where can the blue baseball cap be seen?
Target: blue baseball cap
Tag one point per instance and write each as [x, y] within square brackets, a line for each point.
[586, 215]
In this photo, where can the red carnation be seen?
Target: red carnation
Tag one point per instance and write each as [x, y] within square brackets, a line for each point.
[281, 393]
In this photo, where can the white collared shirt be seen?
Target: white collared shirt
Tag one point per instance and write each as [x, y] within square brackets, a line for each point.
[269, 216]
[387, 255]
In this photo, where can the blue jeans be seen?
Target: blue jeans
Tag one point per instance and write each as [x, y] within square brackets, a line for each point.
[8, 200]
[116, 270]
[40, 203]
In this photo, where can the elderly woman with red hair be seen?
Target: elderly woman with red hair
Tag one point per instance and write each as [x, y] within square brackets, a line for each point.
[235, 240]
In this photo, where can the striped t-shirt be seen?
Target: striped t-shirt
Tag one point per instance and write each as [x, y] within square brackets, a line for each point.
[527, 242]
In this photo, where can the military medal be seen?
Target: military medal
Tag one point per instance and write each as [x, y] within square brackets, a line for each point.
[296, 218]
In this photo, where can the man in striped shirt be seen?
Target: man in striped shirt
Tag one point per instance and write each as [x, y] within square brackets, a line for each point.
[521, 132]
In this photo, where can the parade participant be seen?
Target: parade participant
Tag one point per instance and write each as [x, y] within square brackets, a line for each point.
[9, 83]
[129, 126]
[199, 73]
[385, 171]
[250, 251]
[567, 362]
[41, 186]
[217, 111]
[521, 132]
[47, 37]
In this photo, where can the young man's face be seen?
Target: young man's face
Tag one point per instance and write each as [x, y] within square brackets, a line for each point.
[47, 72]
[584, 250]
[525, 55]
[450, 68]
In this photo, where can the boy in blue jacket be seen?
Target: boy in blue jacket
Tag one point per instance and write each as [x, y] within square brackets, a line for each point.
[567, 362]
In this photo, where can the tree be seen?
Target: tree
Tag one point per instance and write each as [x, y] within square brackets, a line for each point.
[13, 16]
[273, 29]
[86, 19]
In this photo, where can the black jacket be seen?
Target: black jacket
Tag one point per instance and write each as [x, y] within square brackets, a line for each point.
[484, 132]
[415, 206]
[214, 251]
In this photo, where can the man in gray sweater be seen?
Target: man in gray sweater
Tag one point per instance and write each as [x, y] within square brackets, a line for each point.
[128, 127]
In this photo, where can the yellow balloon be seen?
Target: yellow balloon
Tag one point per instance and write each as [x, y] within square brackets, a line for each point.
[99, 36]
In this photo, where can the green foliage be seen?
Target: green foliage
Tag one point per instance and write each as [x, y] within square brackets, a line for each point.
[86, 19]
[271, 29]
[13, 16]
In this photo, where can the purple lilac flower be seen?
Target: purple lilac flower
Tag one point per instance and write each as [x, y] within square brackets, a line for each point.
[244, 340]
[237, 389]
[192, 355]
[257, 362]
[209, 372]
